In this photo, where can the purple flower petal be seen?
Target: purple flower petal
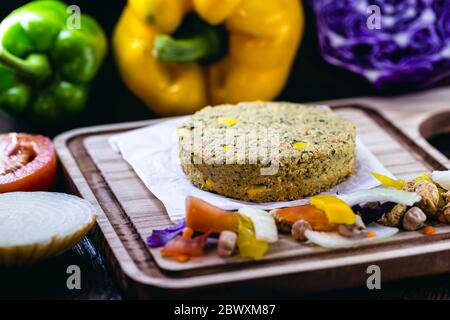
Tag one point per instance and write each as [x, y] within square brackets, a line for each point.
[160, 238]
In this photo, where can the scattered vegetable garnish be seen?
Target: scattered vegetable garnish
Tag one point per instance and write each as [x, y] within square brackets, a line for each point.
[429, 230]
[204, 217]
[227, 121]
[336, 210]
[300, 145]
[389, 182]
[286, 217]
[442, 178]
[381, 195]
[181, 248]
[334, 240]
[371, 234]
[263, 223]
[248, 245]
[160, 238]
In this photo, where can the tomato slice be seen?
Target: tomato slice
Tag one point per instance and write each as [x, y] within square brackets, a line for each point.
[27, 163]
[185, 247]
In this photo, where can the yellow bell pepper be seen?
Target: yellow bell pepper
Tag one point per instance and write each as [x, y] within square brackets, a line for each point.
[181, 55]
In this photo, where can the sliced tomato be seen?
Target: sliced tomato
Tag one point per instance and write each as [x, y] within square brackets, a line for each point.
[27, 163]
[185, 247]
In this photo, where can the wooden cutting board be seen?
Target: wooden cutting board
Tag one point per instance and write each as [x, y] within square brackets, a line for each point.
[393, 129]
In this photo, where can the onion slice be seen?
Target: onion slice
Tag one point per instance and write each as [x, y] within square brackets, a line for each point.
[263, 223]
[381, 195]
[334, 240]
[37, 225]
[442, 178]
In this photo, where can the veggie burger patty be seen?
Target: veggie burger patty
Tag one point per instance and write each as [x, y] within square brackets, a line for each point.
[266, 151]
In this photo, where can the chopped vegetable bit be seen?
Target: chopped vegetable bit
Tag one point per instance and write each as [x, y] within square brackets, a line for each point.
[182, 259]
[442, 178]
[256, 189]
[185, 247]
[371, 234]
[204, 217]
[336, 210]
[389, 182]
[429, 230]
[263, 223]
[286, 217]
[160, 238]
[300, 145]
[249, 246]
[381, 195]
[209, 183]
[227, 121]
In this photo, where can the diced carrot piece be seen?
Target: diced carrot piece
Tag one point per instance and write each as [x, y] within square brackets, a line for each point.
[371, 234]
[429, 230]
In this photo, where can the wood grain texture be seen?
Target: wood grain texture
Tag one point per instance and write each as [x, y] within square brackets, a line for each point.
[131, 213]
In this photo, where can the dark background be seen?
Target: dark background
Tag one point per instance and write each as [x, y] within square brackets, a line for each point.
[110, 101]
[311, 79]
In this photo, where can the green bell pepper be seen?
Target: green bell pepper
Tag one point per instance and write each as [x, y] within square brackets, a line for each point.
[45, 65]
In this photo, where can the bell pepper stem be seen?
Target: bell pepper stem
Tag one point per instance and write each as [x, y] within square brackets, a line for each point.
[35, 66]
[197, 48]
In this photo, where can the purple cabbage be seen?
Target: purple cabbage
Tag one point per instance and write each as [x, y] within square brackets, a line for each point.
[160, 238]
[411, 49]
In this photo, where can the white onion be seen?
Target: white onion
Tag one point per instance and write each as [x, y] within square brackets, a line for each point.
[334, 240]
[381, 195]
[442, 178]
[41, 219]
[263, 222]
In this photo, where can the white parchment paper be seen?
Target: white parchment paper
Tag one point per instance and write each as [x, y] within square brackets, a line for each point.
[153, 154]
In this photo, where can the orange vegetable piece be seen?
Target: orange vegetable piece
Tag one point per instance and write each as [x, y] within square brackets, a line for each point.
[182, 259]
[316, 217]
[371, 234]
[204, 217]
[429, 230]
[188, 233]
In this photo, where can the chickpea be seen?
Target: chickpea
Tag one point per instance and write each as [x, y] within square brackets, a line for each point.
[226, 244]
[299, 228]
[352, 230]
[414, 219]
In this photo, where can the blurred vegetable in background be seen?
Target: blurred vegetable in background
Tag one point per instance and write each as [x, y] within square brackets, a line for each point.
[180, 55]
[410, 46]
[45, 66]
